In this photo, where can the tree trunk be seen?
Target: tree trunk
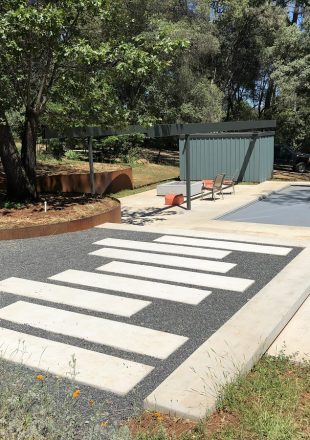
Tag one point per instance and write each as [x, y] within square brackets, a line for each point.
[19, 187]
[29, 142]
[295, 12]
[269, 95]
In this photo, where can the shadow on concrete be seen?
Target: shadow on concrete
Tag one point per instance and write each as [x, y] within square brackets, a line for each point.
[141, 217]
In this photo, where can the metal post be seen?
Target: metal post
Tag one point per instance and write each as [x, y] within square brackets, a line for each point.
[188, 167]
[91, 165]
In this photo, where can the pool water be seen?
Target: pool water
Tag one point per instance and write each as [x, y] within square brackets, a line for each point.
[291, 207]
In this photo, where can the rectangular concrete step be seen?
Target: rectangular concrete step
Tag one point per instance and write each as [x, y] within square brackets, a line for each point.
[230, 245]
[115, 334]
[164, 260]
[163, 248]
[186, 295]
[96, 301]
[98, 370]
[179, 276]
[294, 340]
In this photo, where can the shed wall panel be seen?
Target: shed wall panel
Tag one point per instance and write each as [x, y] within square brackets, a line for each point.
[251, 157]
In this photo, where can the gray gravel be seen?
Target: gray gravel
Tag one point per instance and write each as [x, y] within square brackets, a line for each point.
[40, 258]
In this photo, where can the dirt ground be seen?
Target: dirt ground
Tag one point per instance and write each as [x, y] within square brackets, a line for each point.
[291, 176]
[66, 166]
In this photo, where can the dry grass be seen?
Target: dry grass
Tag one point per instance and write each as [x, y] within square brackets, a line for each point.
[150, 173]
[66, 166]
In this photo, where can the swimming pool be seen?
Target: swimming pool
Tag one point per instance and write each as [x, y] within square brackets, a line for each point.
[291, 207]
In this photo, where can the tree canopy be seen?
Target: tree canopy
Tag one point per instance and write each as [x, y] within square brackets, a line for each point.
[119, 62]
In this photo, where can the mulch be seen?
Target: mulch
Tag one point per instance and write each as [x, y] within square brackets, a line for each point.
[61, 207]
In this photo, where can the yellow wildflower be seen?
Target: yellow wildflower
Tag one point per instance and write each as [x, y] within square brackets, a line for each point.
[76, 393]
[40, 376]
[158, 416]
[91, 402]
[104, 424]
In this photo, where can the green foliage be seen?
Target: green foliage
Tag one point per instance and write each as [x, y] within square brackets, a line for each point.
[65, 71]
[98, 62]
[292, 75]
[12, 205]
[72, 155]
[127, 149]
[56, 148]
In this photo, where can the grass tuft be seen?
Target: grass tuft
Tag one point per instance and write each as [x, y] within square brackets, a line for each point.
[272, 402]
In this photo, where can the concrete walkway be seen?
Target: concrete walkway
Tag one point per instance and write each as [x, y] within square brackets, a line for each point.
[295, 338]
[147, 209]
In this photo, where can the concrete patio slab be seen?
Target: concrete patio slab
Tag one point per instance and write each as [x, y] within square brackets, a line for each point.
[147, 209]
[294, 340]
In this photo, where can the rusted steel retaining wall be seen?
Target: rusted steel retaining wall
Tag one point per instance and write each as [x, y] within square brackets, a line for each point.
[112, 216]
[105, 182]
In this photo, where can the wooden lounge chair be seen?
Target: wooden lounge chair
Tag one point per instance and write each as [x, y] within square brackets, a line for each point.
[229, 182]
[213, 187]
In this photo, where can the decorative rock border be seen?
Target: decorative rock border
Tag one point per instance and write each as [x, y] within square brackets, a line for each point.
[105, 182]
[112, 216]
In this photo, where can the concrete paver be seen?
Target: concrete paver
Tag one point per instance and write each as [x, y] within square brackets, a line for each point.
[294, 340]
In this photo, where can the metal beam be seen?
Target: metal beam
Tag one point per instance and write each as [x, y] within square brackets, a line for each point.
[91, 165]
[188, 171]
[164, 130]
[229, 135]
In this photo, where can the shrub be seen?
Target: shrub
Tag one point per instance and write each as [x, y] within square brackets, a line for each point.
[126, 148]
[72, 155]
[56, 148]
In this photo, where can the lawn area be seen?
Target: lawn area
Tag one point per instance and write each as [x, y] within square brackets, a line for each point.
[272, 402]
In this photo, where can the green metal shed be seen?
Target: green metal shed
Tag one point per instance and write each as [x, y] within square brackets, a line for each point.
[247, 155]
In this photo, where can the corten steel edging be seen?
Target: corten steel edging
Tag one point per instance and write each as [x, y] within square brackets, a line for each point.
[105, 182]
[163, 130]
[112, 216]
